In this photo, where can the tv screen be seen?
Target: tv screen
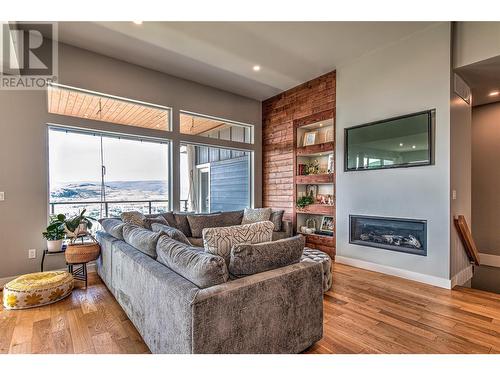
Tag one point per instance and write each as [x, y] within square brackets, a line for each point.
[403, 141]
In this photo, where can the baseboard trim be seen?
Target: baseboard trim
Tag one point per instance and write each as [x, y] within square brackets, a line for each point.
[463, 276]
[91, 267]
[489, 260]
[388, 270]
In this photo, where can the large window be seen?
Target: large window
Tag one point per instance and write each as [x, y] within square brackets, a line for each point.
[107, 174]
[214, 179]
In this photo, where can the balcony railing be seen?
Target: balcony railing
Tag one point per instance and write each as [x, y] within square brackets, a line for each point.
[116, 207]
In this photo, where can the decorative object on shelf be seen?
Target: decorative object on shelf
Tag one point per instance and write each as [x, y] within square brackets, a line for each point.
[310, 225]
[310, 138]
[312, 168]
[312, 191]
[301, 169]
[331, 168]
[324, 199]
[304, 201]
[327, 224]
[55, 233]
[78, 224]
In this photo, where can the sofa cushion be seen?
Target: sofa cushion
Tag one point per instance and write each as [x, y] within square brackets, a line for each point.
[168, 216]
[254, 215]
[219, 241]
[173, 233]
[113, 227]
[133, 217]
[201, 268]
[142, 239]
[225, 219]
[277, 219]
[182, 223]
[248, 259]
[149, 221]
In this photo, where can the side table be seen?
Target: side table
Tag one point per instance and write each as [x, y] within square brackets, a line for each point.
[46, 252]
[79, 273]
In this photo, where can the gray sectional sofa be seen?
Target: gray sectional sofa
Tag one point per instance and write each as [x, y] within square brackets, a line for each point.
[184, 300]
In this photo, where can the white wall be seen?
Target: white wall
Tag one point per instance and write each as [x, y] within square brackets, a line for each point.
[475, 41]
[23, 140]
[409, 76]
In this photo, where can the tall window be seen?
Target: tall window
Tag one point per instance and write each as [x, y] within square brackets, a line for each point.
[214, 179]
[107, 174]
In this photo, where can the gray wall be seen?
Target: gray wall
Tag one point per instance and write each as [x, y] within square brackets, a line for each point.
[460, 176]
[409, 76]
[475, 41]
[23, 140]
[486, 177]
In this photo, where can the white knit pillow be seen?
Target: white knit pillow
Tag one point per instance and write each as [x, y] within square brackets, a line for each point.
[219, 241]
[254, 215]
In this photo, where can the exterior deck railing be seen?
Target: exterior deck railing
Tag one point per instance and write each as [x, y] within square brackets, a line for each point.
[106, 204]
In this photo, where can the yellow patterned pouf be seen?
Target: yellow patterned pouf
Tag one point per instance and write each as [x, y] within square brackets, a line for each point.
[37, 289]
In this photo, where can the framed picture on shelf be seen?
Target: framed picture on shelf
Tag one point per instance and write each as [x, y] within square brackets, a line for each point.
[327, 224]
[312, 191]
[310, 138]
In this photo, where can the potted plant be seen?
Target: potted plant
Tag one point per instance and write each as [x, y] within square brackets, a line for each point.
[304, 201]
[78, 224]
[55, 233]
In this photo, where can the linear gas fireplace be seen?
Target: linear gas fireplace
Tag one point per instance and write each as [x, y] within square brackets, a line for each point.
[404, 235]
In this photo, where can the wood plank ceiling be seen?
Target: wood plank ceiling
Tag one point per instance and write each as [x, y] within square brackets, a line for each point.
[69, 102]
[194, 125]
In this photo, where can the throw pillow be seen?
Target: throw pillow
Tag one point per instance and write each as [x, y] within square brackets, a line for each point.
[113, 227]
[142, 239]
[149, 221]
[226, 219]
[201, 268]
[277, 219]
[181, 223]
[219, 241]
[254, 215]
[173, 233]
[247, 259]
[133, 217]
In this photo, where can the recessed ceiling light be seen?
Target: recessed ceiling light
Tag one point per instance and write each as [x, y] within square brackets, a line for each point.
[256, 68]
[320, 125]
[401, 145]
[494, 93]
[138, 22]
[413, 146]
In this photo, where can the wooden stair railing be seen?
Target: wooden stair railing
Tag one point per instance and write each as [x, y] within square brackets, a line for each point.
[466, 237]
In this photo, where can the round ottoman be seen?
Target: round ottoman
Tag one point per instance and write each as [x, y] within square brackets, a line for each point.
[313, 255]
[37, 289]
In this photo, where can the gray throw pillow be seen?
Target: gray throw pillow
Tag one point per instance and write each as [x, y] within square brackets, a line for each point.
[255, 215]
[248, 259]
[133, 217]
[113, 227]
[225, 219]
[277, 219]
[142, 239]
[201, 268]
[181, 223]
[173, 233]
[149, 221]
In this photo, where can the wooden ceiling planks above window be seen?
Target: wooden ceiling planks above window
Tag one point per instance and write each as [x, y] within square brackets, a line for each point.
[195, 125]
[82, 104]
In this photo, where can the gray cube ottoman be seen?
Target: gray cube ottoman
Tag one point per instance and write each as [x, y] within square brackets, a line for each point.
[313, 255]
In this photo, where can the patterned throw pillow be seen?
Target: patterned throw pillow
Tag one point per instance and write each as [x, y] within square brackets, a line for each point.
[219, 241]
[254, 215]
[133, 217]
[277, 219]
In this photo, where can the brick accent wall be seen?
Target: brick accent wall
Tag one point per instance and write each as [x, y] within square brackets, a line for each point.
[278, 115]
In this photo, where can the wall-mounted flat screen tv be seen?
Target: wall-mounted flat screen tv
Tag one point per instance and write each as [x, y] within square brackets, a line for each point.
[404, 141]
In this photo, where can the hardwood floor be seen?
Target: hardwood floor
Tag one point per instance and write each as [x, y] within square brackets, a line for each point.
[365, 312]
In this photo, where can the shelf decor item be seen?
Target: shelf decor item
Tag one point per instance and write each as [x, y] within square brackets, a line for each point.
[304, 201]
[327, 224]
[55, 233]
[84, 252]
[310, 138]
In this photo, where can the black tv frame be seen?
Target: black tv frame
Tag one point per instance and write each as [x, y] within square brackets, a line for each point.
[430, 117]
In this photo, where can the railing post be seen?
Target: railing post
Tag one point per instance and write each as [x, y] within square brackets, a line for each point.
[52, 209]
[149, 204]
[106, 209]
